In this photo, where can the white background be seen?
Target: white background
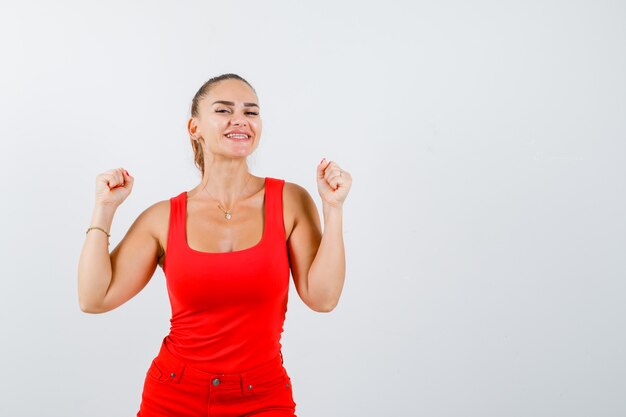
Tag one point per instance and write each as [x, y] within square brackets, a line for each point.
[484, 231]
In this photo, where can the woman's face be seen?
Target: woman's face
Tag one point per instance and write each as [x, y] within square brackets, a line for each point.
[228, 120]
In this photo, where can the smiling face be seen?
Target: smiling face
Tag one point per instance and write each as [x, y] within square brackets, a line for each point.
[228, 120]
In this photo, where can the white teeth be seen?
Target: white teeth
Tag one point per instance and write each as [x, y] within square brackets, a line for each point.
[237, 136]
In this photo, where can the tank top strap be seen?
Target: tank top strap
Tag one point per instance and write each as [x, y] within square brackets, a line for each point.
[176, 222]
[177, 210]
[274, 209]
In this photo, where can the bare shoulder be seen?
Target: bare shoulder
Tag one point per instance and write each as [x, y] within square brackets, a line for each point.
[155, 219]
[293, 191]
[297, 204]
[295, 197]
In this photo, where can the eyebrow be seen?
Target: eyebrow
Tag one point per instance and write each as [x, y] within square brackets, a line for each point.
[230, 103]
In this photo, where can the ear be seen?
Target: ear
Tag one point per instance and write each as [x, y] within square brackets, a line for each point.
[192, 127]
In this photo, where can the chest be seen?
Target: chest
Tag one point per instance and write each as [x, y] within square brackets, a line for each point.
[207, 229]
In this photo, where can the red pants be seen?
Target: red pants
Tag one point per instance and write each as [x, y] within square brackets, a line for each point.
[173, 388]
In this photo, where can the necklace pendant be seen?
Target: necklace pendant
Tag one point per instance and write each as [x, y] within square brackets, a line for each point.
[227, 215]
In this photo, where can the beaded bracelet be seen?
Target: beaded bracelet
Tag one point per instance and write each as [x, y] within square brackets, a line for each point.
[99, 228]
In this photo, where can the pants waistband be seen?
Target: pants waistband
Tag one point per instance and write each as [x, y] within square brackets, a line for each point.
[175, 368]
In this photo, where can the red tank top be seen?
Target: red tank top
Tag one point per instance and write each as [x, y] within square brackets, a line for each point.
[228, 308]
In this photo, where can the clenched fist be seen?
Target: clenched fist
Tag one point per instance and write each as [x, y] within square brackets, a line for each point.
[333, 183]
[113, 186]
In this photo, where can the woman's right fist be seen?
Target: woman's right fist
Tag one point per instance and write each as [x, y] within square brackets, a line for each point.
[112, 187]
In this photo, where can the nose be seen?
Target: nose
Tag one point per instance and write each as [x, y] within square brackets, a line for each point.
[239, 121]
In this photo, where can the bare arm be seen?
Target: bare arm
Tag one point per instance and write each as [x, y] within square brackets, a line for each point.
[94, 265]
[106, 281]
[328, 270]
[318, 260]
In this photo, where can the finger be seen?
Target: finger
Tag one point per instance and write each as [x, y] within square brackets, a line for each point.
[114, 178]
[335, 179]
[321, 167]
[332, 173]
[120, 175]
[333, 164]
[127, 178]
[333, 167]
[107, 178]
[111, 180]
[336, 182]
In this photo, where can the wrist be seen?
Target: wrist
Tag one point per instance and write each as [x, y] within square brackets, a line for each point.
[106, 210]
[332, 210]
[102, 216]
[99, 229]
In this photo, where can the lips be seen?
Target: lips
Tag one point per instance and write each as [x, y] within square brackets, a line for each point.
[238, 135]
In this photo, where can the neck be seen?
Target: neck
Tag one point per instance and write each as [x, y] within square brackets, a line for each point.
[226, 180]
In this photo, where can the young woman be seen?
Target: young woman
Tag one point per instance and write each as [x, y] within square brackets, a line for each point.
[226, 248]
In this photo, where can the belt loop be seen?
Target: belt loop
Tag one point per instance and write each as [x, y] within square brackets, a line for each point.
[281, 358]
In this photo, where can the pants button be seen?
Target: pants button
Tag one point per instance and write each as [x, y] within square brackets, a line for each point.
[216, 381]
[249, 386]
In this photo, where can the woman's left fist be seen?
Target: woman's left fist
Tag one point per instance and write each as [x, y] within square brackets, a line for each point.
[333, 183]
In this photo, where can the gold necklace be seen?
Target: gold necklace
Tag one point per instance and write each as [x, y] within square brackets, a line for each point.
[228, 213]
